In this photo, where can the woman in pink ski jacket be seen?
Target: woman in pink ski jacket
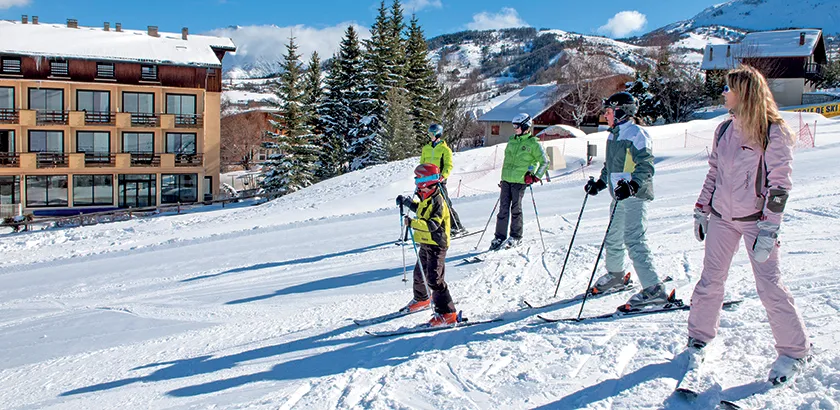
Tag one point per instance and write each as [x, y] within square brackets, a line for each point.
[744, 195]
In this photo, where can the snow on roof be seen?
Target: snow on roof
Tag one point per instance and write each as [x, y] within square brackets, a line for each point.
[779, 43]
[533, 100]
[58, 40]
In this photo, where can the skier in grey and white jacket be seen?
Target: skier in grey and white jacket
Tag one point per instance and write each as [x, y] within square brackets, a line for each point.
[628, 172]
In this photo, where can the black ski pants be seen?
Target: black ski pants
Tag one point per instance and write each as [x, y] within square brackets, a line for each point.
[433, 259]
[510, 207]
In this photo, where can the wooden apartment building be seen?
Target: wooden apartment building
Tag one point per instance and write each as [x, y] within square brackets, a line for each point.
[101, 118]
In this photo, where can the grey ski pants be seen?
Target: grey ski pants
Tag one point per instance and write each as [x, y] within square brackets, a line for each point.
[628, 232]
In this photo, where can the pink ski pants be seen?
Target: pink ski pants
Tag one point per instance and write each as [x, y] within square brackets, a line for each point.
[706, 302]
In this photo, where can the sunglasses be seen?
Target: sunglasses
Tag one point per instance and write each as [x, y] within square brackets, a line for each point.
[726, 89]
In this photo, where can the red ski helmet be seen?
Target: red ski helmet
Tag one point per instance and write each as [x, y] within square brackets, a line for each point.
[426, 175]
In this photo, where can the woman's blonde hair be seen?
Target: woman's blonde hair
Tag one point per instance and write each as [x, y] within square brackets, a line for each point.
[756, 108]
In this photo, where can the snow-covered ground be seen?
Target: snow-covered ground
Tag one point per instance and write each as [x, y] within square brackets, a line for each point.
[249, 308]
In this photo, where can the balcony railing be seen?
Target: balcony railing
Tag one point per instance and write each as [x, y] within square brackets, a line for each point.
[145, 159]
[189, 160]
[188, 121]
[813, 69]
[8, 116]
[145, 120]
[52, 160]
[100, 159]
[52, 117]
[9, 159]
[99, 118]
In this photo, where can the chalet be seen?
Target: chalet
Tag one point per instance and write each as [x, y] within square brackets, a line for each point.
[94, 118]
[547, 105]
[792, 60]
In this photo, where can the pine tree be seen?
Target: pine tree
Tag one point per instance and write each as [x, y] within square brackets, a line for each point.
[421, 84]
[397, 46]
[342, 106]
[291, 167]
[649, 105]
[398, 126]
[313, 92]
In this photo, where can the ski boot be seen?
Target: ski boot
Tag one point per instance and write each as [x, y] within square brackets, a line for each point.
[512, 243]
[444, 319]
[786, 368]
[416, 305]
[612, 281]
[650, 296]
[496, 244]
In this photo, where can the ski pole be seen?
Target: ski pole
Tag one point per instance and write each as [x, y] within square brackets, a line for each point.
[422, 271]
[488, 223]
[538, 216]
[598, 259]
[569, 251]
[402, 230]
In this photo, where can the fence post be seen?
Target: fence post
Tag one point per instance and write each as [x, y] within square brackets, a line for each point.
[814, 137]
[179, 207]
[686, 139]
[458, 194]
[496, 151]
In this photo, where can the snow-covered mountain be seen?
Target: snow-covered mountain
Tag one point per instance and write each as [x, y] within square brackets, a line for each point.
[753, 15]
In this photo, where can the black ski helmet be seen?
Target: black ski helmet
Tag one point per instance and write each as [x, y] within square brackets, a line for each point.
[523, 120]
[624, 103]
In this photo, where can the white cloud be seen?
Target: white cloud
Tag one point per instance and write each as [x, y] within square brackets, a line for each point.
[263, 47]
[5, 4]
[413, 6]
[506, 18]
[624, 23]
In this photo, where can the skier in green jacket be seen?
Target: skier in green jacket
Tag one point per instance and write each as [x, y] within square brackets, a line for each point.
[525, 162]
[438, 153]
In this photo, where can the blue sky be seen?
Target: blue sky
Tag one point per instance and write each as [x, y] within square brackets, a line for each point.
[436, 16]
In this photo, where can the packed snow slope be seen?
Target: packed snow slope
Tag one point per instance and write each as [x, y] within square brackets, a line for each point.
[250, 308]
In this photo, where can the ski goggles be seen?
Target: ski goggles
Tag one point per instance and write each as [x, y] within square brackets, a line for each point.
[726, 89]
[433, 177]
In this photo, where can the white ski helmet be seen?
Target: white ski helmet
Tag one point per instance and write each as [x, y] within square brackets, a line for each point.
[523, 120]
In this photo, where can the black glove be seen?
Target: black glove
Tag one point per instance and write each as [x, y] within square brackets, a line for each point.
[624, 189]
[592, 187]
[399, 200]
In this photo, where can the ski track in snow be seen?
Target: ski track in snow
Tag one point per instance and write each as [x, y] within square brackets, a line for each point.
[250, 307]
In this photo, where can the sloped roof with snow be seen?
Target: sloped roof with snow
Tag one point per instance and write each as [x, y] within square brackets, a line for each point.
[58, 40]
[761, 44]
[533, 100]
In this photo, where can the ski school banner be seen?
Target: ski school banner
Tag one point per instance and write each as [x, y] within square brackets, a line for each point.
[828, 110]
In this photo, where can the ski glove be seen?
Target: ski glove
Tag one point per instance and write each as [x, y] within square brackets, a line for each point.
[624, 189]
[592, 187]
[701, 222]
[405, 201]
[531, 178]
[767, 239]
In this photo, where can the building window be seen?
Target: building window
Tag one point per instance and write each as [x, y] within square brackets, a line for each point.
[183, 106]
[96, 145]
[7, 141]
[140, 103]
[59, 69]
[46, 99]
[148, 72]
[46, 141]
[494, 130]
[93, 101]
[183, 144]
[10, 65]
[104, 70]
[7, 98]
[9, 190]
[46, 190]
[176, 188]
[137, 191]
[208, 188]
[139, 142]
[93, 190]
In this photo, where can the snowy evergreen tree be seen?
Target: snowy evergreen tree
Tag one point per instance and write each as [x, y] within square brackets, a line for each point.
[649, 104]
[292, 166]
[342, 105]
[396, 77]
[421, 84]
[398, 126]
[313, 92]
